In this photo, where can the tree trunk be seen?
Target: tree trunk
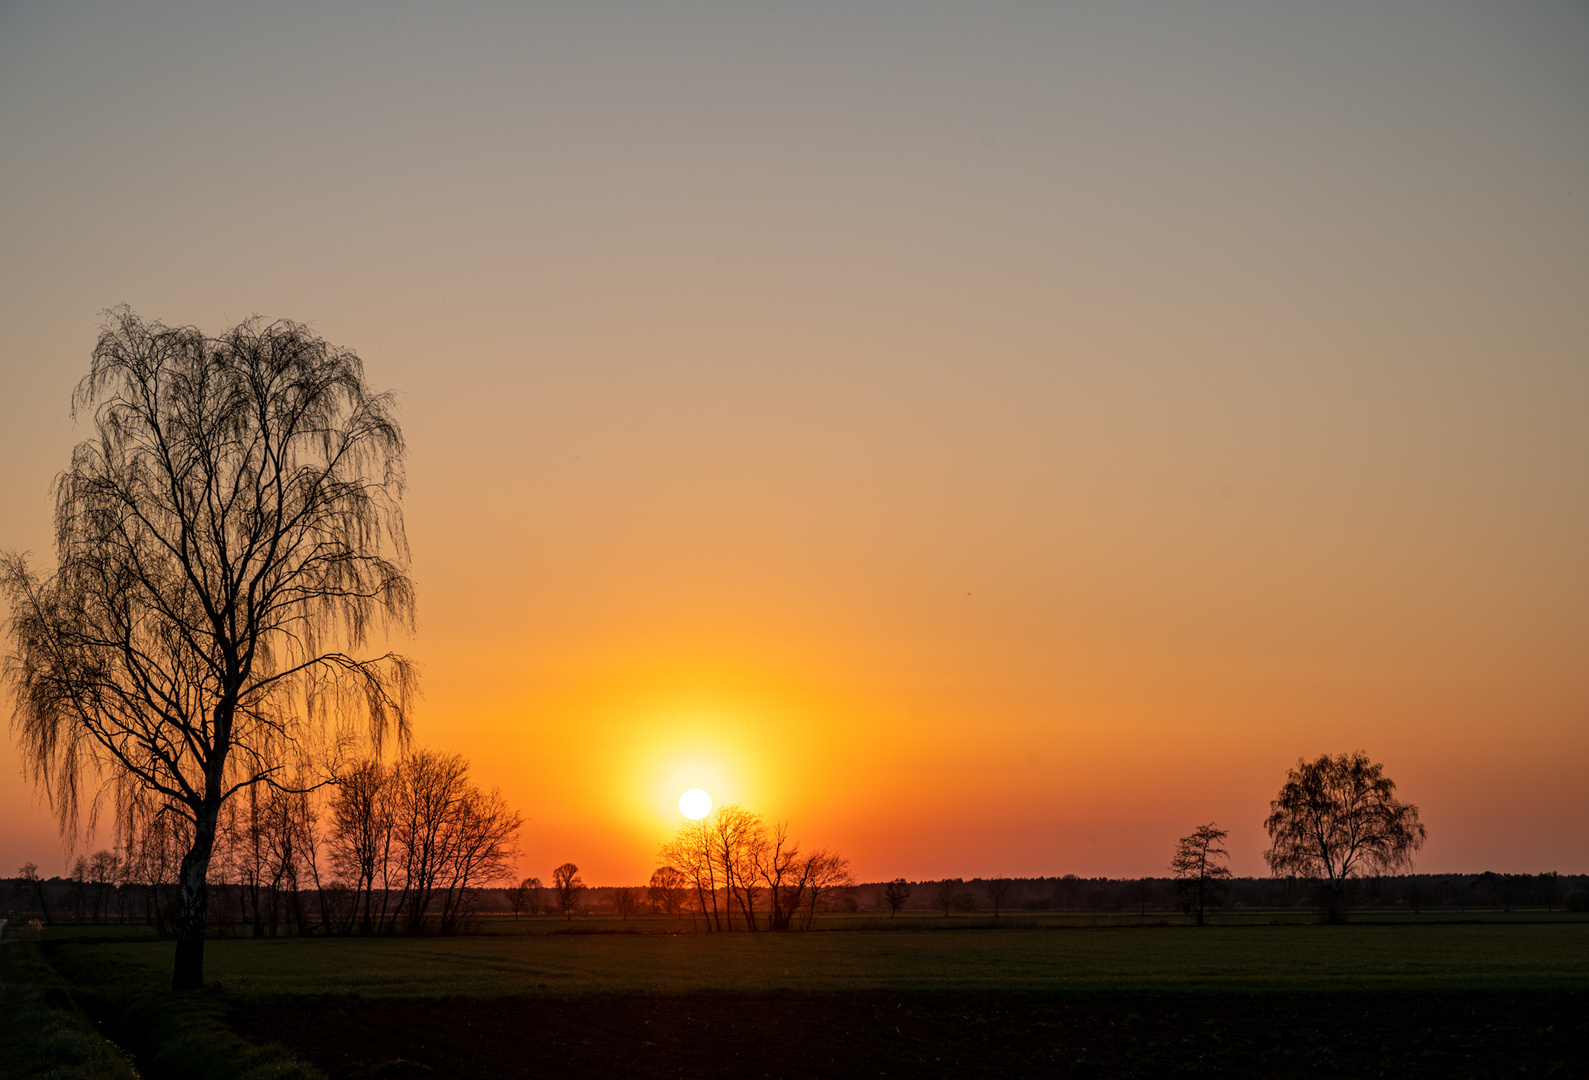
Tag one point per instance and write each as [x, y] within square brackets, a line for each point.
[194, 891]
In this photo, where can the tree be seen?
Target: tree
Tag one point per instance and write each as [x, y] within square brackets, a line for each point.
[998, 891]
[625, 901]
[823, 872]
[666, 890]
[226, 544]
[29, 873]
[1200, 875]
[522, 896]
[1337, 818]
[1140, 891]
[947, 895]
[895, 893]
[566, 884]
[691, 852]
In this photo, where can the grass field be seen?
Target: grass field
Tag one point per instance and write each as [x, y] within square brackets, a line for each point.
[1532, 954]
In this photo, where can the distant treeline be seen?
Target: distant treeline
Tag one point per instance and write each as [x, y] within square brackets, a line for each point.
[1072, 893]
[87, 897]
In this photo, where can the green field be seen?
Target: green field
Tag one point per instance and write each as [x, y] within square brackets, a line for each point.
[1517, 954]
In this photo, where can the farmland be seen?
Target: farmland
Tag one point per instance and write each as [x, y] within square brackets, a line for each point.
[1248, 996]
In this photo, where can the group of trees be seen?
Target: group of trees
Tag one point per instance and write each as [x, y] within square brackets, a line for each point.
[405, 847]
[1336, 818]
[415, 841]
[730, 866]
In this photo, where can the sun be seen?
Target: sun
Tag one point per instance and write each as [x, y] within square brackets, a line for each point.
[695, 804]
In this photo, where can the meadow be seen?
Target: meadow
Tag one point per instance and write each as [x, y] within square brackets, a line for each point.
[1505, 953]
[978, 997]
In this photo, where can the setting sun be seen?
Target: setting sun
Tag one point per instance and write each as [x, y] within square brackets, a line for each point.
[695, 804]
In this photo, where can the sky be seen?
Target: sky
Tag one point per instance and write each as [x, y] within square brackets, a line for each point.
[994, 438]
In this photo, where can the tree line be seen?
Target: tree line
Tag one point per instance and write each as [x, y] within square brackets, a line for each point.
[408, 847]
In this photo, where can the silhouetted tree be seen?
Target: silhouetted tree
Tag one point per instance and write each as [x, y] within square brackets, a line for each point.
[32, 882]
[1201, 876]
[947, 895]
[666, 890]
[823, 872]
[692, 853]
[1336, 818]
[523, 897]
[566, 884]
[895, 894]
[739, 842]
[1139, 892]
[998, 891]
[361, 835]
[225, 545]
[625, 901]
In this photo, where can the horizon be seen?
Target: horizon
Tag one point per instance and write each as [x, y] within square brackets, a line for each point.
[993, 443]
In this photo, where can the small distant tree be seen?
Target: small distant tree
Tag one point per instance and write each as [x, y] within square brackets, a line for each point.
[519, 897]
[998, 891]
[625, 901]
[667, 889]
[1201, 876]
[947, 895]
[32, 882]
[1140, 892]
[1337, 818]
[895, 894]
[825, 872]
[566, 884]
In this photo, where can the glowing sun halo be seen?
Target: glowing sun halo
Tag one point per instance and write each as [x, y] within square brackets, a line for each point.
[695, 804]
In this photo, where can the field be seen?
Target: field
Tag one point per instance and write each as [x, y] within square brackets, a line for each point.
[1398, 996]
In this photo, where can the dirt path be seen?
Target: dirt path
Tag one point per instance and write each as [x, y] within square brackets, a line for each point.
[1448, 1035]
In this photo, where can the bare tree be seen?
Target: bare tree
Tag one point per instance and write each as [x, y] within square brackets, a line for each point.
[824, 871]
[566, 883]
[29, 873]
[998, 891]
[483, 831]
[626, 901]
[947, 895]
[666, 890]
[1201, 875]
[739, 842]
[522, 896]
[1337, 818]
[1140, 891]
[361, 835]
[895, 895]
[225, 545]
[692, 853]
[776, 860]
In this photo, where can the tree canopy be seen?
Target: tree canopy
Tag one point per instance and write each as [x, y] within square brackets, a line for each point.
[1336, 818]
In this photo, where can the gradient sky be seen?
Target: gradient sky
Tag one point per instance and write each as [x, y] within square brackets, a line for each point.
[995, 437]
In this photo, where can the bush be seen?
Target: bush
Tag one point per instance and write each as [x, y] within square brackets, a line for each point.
[1578, 900]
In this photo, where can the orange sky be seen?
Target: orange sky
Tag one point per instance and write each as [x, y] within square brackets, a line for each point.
[995, 443]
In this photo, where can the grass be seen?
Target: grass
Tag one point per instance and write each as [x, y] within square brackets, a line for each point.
[47, 1030]
[43, 1032]
[1533, 954]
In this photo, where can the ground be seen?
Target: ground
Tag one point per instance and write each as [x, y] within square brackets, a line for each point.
[1323, 1035]
[1490, 995]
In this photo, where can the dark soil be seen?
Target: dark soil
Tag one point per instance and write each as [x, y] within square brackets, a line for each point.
[1324, 1035]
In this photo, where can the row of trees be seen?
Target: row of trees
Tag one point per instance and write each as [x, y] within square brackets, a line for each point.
[404, 847]
[731, 867]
